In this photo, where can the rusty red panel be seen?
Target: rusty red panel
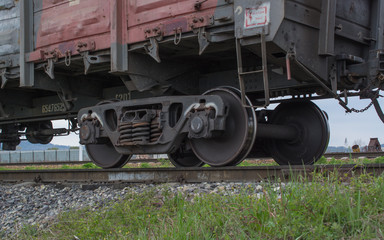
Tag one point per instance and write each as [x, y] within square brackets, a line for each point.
[168, 15]
[63, 24]
[60, 25]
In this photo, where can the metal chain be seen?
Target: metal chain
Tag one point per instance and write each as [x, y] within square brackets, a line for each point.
[67, 59]
[363, 109]
[365, 90]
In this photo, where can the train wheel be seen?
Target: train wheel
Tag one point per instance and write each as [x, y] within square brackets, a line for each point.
[184, 158]
[34, 136]
[235, 143]
[106, 156]
[313, 133]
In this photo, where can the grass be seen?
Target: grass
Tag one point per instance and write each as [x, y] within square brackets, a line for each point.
[322, 208]
[358, 161]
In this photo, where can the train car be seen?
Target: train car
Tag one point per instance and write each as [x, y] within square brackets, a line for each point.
[191, 79]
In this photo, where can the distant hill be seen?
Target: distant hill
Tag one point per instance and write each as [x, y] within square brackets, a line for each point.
[26, 146]
[332, 149]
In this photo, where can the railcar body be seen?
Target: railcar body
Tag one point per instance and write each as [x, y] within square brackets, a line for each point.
[187, 78]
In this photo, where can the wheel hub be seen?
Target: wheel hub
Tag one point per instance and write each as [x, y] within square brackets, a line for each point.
[312, 129]
[234, 144]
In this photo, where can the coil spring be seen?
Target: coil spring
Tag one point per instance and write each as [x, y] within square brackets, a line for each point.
[139, 132]
[155, 130]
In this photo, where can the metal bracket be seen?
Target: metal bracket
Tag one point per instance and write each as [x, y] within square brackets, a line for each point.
[86, 46]
[49, 68]
[333, 78]
[198, 4]
[203, 38]
[3, 114]
[87, 64]
[92, 59]
[156, 32]
[378, 109]
[198, 22]
[65, 95]
[66, 100]
[152, 49]
[4, 78]
[54, 54]
[5, 63]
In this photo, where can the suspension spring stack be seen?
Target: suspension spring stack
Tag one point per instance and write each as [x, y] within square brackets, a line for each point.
[139, 127]
[155, 130]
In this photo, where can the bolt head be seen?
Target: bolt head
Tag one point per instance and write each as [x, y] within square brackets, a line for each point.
[197, 124]
[85, 132]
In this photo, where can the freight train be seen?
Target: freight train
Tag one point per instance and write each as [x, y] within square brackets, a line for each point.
[189, 78]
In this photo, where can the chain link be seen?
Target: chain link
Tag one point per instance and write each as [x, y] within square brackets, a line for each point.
[363, 109]
[381, 79]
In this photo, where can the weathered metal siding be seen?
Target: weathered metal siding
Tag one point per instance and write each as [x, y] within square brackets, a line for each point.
[9, 27]
[167, 16]
[62, 25]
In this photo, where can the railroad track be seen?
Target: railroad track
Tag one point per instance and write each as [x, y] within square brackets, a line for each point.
[153, 160]
[355, 155]
[168, 175]
[149, 160]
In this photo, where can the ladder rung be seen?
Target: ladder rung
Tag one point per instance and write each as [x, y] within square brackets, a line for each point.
[245, 73]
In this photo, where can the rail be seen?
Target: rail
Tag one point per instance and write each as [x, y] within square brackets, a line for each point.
[169, 175]
[355, 155]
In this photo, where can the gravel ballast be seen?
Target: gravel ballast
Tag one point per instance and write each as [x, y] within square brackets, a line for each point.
[36, 204]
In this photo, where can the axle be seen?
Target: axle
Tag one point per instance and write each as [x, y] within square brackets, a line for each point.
[278, 132]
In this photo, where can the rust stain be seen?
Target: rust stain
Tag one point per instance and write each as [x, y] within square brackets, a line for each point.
[64, 23]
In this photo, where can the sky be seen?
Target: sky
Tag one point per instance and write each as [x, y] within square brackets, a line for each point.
[355, 127]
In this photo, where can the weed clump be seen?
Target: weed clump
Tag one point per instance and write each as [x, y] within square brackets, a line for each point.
[320, 206]
[89, 166]
[145, 165]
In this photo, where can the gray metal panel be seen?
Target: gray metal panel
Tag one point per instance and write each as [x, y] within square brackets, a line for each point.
[38, 156]
[50, 156]
[62, 155]
[9, 27]
[85, 156]
[14, 157]
[26, 157]
[73, 155]
[355, 11]
[4, 157]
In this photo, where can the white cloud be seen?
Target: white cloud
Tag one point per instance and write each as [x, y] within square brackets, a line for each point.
[353, 126]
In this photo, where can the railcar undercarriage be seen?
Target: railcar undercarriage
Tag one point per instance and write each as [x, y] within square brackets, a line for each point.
[214, 128]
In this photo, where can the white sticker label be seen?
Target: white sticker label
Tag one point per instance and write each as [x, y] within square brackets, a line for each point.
[257, 17]
[74, 2]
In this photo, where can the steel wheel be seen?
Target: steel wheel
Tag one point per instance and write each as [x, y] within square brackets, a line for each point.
[313, 133]
[106, 156]
[183, 158]
[235, 143]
